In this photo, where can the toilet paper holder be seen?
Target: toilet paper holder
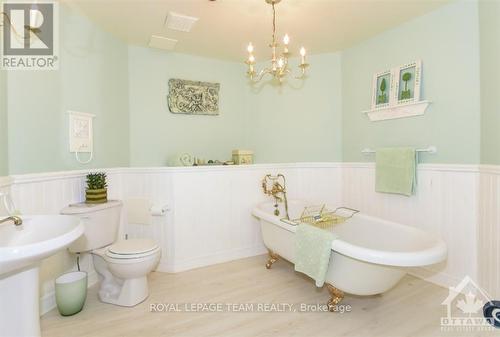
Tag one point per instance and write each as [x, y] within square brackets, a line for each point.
[159, 210]
[141, 211]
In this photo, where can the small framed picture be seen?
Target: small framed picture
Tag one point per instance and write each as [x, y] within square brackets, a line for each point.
[408, 83]
[382, 88]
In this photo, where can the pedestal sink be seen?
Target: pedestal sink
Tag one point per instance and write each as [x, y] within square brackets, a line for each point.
[21, 250]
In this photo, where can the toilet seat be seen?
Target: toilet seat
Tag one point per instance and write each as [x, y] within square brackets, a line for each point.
[132, 249]
[130, 257]
[128, 250]
[132, 246]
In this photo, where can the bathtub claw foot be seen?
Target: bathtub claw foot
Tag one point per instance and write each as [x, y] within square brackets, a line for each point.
[273, 257]
[336, 296]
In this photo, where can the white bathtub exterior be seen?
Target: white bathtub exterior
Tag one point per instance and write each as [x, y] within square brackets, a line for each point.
[354, 268]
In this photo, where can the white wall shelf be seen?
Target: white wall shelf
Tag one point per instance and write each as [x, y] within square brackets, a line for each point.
[398, 111]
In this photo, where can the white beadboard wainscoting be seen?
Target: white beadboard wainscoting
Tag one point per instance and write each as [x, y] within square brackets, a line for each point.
[445, 203]
[5, 183]
[209, 218]
[489, 231]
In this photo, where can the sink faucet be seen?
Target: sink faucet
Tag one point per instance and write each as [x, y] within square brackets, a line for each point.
[15, 219]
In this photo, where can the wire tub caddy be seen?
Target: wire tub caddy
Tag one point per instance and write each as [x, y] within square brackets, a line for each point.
[322, 217]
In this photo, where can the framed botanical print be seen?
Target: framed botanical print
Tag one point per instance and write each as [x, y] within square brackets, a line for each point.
[396, 93]
[382, 89]
[407, 88]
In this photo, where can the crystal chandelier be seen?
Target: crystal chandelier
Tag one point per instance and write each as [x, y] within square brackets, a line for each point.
[279, 68]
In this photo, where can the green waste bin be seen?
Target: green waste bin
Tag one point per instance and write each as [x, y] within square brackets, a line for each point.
[71, 292]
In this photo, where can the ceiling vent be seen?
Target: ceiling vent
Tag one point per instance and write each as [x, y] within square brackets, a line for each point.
[180, 22]
[161, 42]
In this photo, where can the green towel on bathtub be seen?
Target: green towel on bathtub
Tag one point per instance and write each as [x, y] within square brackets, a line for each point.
[396, 171]
[313, 247]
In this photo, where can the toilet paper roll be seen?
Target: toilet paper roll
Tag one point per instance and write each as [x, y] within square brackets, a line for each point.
[159, 210]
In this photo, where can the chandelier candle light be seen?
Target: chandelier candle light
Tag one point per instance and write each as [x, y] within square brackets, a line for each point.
[279, 65]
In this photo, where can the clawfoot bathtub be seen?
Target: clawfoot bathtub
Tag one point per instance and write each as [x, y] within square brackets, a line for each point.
[368, 257]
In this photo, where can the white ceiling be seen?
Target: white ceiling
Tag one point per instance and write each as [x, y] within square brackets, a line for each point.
[226, 26]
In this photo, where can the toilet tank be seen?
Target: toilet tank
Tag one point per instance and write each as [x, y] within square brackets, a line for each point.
[101, 222]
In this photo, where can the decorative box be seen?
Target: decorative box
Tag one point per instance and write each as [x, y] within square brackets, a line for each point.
[242, 157]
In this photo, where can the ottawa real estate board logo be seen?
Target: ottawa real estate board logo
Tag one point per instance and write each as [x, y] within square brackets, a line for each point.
[30, 35]
[470, 309]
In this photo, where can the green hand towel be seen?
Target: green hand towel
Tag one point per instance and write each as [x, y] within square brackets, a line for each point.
[313, 247]
[396, 171]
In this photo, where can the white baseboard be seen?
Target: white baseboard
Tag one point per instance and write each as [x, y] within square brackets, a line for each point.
[442, 279]
[48, 301]
[203, 261]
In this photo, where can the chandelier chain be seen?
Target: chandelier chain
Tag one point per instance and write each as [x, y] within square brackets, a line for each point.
[274, 25]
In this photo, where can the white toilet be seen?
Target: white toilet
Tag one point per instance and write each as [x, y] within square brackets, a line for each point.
[122, 265]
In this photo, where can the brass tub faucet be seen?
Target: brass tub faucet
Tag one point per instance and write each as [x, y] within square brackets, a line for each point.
[277, 191]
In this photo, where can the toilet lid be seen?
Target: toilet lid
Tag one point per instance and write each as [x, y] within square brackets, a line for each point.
[132, 246]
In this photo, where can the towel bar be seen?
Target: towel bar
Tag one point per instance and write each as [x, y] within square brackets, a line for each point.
[430, 149]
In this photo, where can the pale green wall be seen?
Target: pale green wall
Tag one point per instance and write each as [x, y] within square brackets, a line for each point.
[299, 121]
[92, 78]
[447, 42]
[489, 15]
[281, 124]
[126, 88]
[4, 167]
[156, 135]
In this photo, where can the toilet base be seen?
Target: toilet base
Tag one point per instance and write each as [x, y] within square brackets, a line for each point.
[117, 290]
[126, 293]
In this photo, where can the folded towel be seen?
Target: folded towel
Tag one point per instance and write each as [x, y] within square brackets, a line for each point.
[396, 171]
[313, 247]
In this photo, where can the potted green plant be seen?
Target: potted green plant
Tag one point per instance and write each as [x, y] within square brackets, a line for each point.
[96, 192]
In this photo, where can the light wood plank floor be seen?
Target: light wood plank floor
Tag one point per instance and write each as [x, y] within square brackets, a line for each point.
[412, 308]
